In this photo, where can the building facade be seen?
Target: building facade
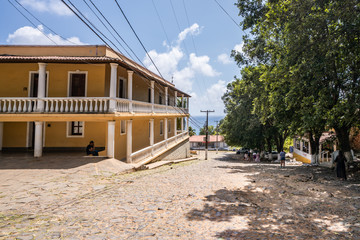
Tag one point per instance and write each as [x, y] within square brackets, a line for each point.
[197, 142]
[62, 97]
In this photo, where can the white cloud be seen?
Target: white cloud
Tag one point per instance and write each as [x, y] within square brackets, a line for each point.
[37, 36]
[201, 64]
[224, 58]
[193, 29]
[239, 47]
[183, 79]
[211, 100]
[51, 6]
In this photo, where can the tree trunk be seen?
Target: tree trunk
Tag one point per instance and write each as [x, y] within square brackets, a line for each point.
[314, 143]
[342, 134]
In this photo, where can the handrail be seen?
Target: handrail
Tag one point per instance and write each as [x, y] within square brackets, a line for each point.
[81, 105]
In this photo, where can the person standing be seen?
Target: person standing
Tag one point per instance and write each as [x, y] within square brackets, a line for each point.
[340, 166]
[282, 158]
[257, 159]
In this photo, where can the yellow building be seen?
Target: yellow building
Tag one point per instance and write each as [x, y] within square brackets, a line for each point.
[61, 97]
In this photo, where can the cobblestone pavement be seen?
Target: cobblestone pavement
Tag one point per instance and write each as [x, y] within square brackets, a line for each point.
[220, 198]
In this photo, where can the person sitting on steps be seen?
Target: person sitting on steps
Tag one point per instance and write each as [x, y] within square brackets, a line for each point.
[90, 149]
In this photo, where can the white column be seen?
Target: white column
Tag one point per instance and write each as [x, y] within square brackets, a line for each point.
[152, 95]
[111, 139]
[166, 98]
[182, 125]
[112, 94]
[130, 88]
[41, 86]
[38, 139]
[187, 103]
[175, 126]
[129, 141]
[1, 134]
[182, 100]
[166, 130]
[187, 124]
[151, 134]
[175, 98]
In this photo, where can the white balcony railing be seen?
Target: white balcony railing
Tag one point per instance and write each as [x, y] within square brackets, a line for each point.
[151, 151]
[81, 105]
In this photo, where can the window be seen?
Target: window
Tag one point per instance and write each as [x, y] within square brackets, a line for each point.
[121, 93]
[161, 127]
[305, 147]
[169, 126]
[297, 144]
[77, 85]
[149, 95]
[160, 98]
[168, 100]
[122, 127]
[75, 129]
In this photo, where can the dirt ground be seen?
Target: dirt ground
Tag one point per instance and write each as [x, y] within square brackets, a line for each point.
[220, 198]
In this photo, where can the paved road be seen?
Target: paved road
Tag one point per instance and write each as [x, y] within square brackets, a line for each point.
[220, 198]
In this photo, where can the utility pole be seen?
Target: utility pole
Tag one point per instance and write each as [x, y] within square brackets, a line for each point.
[217, 134]
[207, 132]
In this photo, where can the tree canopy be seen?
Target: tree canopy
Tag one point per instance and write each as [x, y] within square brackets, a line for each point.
[300, 72]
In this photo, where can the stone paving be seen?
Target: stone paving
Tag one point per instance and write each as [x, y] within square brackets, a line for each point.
[203, 199]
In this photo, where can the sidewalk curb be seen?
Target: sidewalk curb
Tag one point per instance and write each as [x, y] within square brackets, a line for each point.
[162, 163]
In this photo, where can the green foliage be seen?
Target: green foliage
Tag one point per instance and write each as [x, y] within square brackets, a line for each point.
[301, 69]
[211, 130]
[191, 131]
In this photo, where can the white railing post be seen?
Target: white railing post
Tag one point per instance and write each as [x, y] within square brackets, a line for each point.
[112, 94]
[129, 141]
[41, 86]
[130, 89]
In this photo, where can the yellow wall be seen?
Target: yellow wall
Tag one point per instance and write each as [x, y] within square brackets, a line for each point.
[55, 135]
[140, 130]
[157, 136]
[14, 134]
[140, 88]
[301, 158]
[120, 141]
[19, 74]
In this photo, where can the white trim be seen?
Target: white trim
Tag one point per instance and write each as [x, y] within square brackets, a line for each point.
[161, 125]
[68, 128]
[77, 72]
[47, 83]
[27, 134]
[125, 87]
[121, 127]
[44, 127]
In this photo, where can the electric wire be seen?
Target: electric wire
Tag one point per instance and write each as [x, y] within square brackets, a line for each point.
[161, 22]
[229, 15]
[127, 20]
[117, 33]
[32, 23]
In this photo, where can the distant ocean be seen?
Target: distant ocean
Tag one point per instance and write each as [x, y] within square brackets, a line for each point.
[198, 122]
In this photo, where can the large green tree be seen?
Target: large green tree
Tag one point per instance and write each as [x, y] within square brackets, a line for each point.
[312, 52]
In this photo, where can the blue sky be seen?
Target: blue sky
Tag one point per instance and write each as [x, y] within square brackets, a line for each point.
[193, 50]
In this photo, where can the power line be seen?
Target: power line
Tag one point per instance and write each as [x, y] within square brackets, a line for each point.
[117, 33]
[228, 15]
[138, 38]
[162, 25]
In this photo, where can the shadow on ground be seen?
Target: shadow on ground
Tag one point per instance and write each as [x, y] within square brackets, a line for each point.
[293, 203]
[53, 160]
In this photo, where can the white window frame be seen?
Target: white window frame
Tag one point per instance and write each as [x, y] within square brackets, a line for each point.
[47, 82]
[125, 87]
[122, 122]
[161, 127]
[68, 130]
[69, 79]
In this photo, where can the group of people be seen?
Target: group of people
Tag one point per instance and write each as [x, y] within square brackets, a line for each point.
[255, 156]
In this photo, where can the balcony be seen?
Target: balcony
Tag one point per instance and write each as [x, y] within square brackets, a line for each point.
[82, 105]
